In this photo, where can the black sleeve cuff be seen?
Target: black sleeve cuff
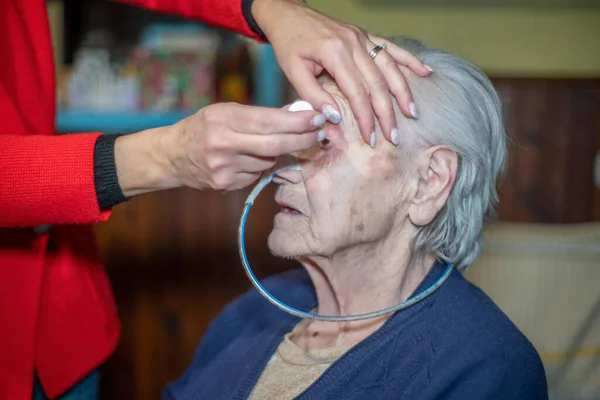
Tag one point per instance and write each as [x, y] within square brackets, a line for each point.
[108, 190]
[247, 12]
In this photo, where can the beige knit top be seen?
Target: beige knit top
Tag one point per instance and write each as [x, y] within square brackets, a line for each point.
[292, 370]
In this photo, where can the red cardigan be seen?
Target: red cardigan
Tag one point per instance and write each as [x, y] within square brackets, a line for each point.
[57, 313]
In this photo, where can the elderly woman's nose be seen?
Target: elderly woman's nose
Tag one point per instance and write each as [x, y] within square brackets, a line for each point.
[290, 174]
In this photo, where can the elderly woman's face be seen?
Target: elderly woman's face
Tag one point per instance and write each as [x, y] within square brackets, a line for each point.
[346, 193]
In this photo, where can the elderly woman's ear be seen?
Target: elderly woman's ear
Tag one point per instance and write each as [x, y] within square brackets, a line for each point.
[436, 172]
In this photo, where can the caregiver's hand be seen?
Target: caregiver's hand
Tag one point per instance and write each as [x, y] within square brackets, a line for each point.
[307, 42]
[223, 147]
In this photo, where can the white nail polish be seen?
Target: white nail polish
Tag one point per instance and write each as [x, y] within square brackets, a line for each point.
[413, 110]
[319, 120]
[296, 167]
[395, 136]
[428, 68]
[332, 115]
[373, 140]
[321, 136]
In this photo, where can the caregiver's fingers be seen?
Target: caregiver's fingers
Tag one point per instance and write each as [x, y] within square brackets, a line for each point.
[309, 89]
[388, 61]
[276, 144]
[398, 86]
[349, 78]
[254, 164]
[403, 57]
[268, 121]
[379, 90]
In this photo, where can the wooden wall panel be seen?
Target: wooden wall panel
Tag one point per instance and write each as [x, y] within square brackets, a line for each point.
[173, 260]
[553, 126]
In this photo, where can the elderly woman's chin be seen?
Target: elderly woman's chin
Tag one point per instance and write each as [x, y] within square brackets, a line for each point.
[285, 244]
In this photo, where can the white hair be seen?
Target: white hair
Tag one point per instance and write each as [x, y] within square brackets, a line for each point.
[459, 109]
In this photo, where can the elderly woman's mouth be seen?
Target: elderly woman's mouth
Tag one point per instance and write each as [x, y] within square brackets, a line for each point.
[288, 209]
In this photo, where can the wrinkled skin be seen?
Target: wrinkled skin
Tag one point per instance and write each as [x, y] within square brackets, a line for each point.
[347, 193]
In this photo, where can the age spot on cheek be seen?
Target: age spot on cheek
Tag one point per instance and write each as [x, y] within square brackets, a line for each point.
[354, 217]
[320, 161]
[326, 157]
[331, 205]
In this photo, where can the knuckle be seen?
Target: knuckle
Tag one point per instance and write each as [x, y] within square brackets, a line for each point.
[379, 84]
[267, 127]
[211, 144]
[388, 111]
[216, 143]
[211, 116]
[214, 165]
[361, 91]
[401, 93]
[354, 33]
[335, 45]
[389, 62]
[272, 146]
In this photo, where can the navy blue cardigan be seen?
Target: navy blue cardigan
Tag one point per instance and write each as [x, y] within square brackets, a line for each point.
[455, 344]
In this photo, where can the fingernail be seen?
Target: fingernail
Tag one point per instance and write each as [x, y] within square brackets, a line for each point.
[295, 167]
[373, 140]
[319, 120]
[395, 136]
[332, 115]
[413, 110]
[428, 68]
[321, 136]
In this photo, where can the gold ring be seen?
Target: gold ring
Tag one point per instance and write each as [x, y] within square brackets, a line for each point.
[373, 53]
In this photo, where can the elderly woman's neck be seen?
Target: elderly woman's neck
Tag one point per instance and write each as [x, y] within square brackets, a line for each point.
[362, 279]
[359, 279]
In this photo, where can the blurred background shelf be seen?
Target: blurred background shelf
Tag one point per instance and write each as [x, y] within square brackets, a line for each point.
[115, 121]
[122, 69]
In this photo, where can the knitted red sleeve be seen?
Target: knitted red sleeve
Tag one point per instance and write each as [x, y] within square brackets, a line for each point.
[225, 14]
[48, 180]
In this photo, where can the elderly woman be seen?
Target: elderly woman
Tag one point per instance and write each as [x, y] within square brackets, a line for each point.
[373, 227]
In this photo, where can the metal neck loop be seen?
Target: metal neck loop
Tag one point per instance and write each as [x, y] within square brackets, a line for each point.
[304, 314]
